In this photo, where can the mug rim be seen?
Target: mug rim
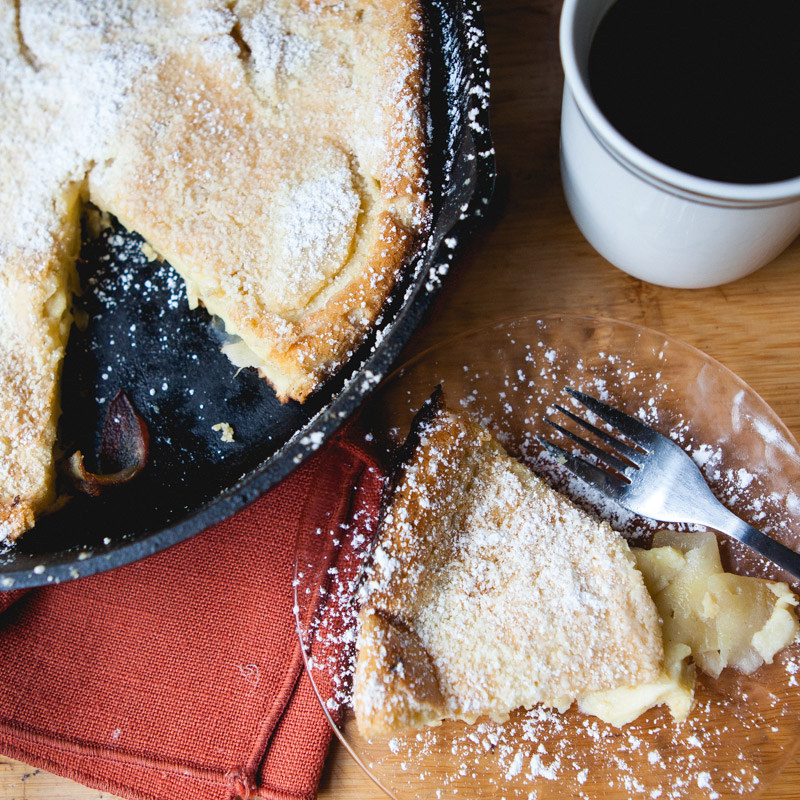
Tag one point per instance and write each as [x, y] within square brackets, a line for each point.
[644, 165]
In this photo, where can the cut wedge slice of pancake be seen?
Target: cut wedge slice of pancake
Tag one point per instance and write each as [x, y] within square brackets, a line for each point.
[272, 151]
[489, 591]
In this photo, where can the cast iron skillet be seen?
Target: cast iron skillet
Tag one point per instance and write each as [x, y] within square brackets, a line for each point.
[141, 336]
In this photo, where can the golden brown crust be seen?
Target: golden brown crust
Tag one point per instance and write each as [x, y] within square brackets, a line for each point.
[515, 595]
[397, 682]
[34, 321]
[272, 150]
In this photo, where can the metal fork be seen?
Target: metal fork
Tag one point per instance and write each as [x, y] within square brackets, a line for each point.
[655, 478]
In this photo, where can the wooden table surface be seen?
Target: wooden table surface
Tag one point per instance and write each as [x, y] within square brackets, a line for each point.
[530, 258]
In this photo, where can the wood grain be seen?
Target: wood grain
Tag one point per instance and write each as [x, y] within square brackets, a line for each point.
[530, 258]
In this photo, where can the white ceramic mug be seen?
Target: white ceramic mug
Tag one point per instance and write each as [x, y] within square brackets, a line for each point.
[650, 220]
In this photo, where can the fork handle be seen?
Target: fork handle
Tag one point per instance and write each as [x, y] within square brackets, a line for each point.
[779, 554]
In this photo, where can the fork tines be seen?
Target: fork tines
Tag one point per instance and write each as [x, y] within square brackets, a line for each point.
[635, 430]
[623, 457]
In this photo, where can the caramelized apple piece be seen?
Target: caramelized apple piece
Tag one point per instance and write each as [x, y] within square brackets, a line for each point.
[725, 619]
[753, 619]
[713, 617]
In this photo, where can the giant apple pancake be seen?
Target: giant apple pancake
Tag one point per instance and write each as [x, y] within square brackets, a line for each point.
[273, 152]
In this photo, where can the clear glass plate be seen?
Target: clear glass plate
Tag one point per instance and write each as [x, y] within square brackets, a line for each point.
[743, 730]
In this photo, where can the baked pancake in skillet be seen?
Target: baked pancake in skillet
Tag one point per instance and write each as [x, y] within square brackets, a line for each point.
[272, 152]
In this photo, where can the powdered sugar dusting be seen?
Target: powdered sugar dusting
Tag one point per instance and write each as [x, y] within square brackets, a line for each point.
[74, 66]
[319, 219]
[275, 51]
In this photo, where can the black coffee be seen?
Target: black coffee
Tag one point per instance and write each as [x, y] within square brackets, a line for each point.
[711, 87]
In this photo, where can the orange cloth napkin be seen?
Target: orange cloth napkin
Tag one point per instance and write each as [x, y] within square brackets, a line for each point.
[181, 676]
